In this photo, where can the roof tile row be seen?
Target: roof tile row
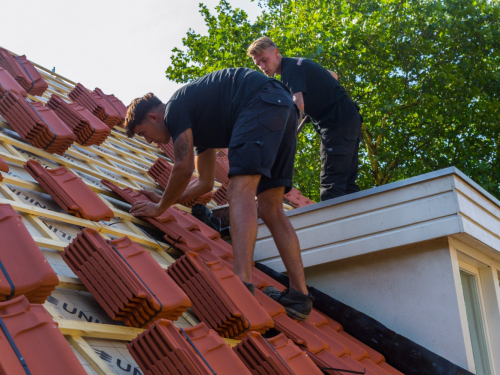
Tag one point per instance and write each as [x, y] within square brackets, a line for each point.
[164, 349]
[88, 129]
[220, 196]
[97, 105]
[168, 149]
[7, 82]
[219, 298]
[23, 72]
[70, 192]
[24, 269]
[41, 348]
[125, 279]
[36, 123]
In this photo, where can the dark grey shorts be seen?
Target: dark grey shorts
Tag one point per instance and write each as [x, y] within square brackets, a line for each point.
[264, 138]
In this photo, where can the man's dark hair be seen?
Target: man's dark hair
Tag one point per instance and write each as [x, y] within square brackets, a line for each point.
[137, 111]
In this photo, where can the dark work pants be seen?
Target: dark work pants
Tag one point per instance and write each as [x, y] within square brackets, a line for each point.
[339, 156]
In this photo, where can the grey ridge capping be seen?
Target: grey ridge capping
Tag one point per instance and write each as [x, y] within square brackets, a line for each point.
[434, 205]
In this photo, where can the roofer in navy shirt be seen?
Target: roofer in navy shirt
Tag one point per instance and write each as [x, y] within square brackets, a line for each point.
[256, 119]
[317, 94]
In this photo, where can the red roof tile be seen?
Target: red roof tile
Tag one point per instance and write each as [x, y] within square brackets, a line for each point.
[41, 345]
[9, 83]
[23, 72]
[25, 269]
[89, 130]
[219, 298]
[70, 192]
[4, 167]
[124, 279]
[296, 199]
[220, 196]
[120, 107]
[36, 123]
[168, 149]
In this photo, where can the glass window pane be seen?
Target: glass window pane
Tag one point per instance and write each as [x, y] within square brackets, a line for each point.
[476, 325]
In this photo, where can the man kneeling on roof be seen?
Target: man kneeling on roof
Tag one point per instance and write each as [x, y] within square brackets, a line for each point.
[254, 117]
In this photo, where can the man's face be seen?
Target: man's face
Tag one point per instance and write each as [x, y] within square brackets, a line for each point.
[268, 61]
[153, 131]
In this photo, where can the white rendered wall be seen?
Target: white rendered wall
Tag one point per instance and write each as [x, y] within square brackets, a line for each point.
[411, 290]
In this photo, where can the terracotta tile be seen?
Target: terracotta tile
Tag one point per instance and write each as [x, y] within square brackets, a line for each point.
[4, 167]
[25, 264]
[220, 196]
[9, 83]
[40, 343]
[388, 368]
[296, 199]
[23, 72]
[119, 106]
[70, 190]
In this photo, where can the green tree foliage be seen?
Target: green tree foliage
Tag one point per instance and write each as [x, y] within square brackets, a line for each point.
[425, 73]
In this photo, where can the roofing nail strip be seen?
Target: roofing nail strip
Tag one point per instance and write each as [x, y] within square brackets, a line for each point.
[197, 351]
[14, 347]
[9, 280]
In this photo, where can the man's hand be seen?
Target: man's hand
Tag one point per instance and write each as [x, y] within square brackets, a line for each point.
[334, 75]
[298, 99]
[151, 195]
[145, 208]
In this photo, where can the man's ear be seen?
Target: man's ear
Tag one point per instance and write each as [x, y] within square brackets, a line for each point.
[153, 117]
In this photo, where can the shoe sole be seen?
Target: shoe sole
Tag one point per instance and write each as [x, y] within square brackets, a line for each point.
[296, 315]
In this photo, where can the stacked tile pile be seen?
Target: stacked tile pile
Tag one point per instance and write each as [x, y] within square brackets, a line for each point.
[220, 196]
[165, 349]
[97, 105]
[168, 149]
[182, 230]
[4, 167]
[88, 129]
[222, 167]
[23, 72]
[219, 298]
[261, 357]
[30, 342]
[24, 268]
[36, 123]
[70, 192]
[296, 199]
[125, 279]
[7, 82]
[115, 117]
[160, 172]
[118, 104]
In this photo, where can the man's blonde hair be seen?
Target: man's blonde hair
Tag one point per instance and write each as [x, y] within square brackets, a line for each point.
[260, 45]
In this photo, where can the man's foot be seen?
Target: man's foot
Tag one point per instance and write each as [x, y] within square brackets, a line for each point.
[297, 305]
[250, 287]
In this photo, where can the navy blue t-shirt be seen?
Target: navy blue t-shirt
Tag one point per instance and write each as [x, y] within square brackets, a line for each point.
[321, 92]
[210, 106]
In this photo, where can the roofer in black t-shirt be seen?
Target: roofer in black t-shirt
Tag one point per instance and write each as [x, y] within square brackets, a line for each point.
[317, 93]
[255, 117]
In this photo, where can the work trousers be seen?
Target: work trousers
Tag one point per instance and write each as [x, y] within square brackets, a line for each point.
[339, 156]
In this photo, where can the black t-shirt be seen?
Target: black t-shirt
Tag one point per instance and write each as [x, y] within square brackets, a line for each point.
[321, 91]
[210, 106]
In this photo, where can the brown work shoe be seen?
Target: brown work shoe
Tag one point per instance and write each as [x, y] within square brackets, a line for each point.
[297, 305]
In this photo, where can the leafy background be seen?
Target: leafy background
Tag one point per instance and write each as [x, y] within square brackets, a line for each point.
[426, 75]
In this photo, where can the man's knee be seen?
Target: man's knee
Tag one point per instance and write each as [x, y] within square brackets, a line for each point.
[242, 186]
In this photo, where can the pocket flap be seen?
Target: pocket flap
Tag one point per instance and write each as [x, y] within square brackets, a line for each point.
[340, 150]
[275, 99]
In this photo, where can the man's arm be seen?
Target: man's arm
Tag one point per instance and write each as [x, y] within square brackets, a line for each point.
[298, 99]
[334, 75]
[178, 181]
[205, 166]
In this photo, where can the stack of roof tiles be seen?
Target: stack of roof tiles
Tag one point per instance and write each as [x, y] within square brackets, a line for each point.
[261, 356]
[125, 279]
[70, 192]
[7, 82]
[23, 268]
[219, 298]
[36, 123]
[222, 167]
[30, 342]
[23, 72]
[118, 104]
[101, 107]
[181, 229]
[168, 149]
[88, 129]
[296, 199]
[4, 167]
[164, 349]
[160, 172]
[220, 196]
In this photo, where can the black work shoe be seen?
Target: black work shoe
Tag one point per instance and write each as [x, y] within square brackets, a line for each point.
[250, 287]
[297, 305]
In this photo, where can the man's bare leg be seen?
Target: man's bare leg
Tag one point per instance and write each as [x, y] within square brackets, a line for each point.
[271, 212]
[243, 219]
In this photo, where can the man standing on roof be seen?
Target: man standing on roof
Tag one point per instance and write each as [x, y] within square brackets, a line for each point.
[256, 119]
[317, 94]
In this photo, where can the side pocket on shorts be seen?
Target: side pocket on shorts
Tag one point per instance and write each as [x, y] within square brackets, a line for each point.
[275, 119]
[246, 155]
